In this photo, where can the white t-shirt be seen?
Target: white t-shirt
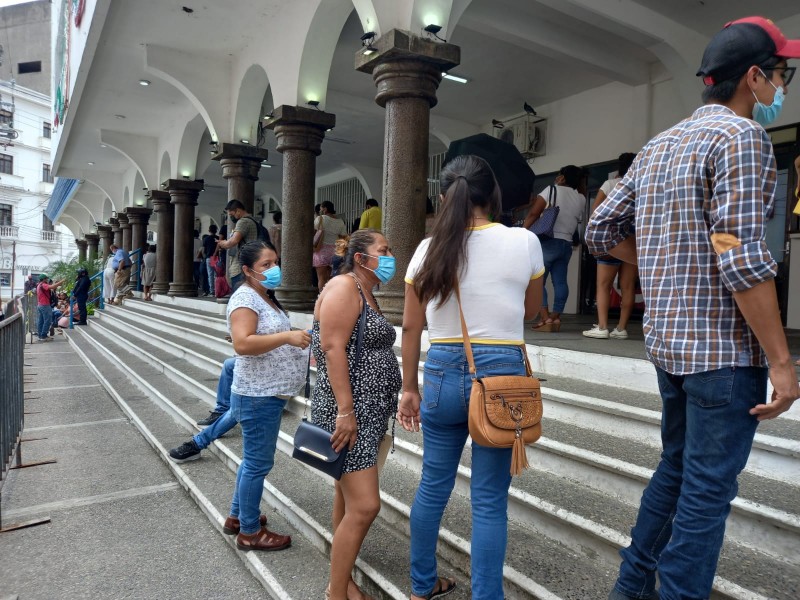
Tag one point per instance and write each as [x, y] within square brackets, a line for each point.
[500, 263]
[333, 228]
[279, 371]
[572, 207]
[609, 185]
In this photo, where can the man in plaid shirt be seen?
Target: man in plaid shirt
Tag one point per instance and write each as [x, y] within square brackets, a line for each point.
[692, 212]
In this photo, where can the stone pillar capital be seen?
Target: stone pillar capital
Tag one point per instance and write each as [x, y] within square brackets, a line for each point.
[92, 238]
[138, 215]
[104, 231]
[183, 191]
[122, 218]
[299, 128]
[240, 156]
[113, 222]
[407, 66]
[81, 244]
[106, 237]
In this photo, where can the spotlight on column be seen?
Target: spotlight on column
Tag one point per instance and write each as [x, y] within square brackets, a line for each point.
[433, 30]
[244, 141]
[366, 41]
[498, 124]
[314, 104]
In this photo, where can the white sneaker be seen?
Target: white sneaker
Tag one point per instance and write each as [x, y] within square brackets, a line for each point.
[619, 335]
[596, 332]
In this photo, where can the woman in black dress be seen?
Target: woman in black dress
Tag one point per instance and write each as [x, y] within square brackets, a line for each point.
[354, 399]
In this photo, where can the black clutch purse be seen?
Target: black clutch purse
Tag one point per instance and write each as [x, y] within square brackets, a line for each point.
[312, 445]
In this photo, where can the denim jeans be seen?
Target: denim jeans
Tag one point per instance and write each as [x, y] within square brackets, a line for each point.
[444, 415]
[44, 319]
[211, 275]
[227, 421]
[236, 281]
[556, 254]
[260, 419]
[706, 433]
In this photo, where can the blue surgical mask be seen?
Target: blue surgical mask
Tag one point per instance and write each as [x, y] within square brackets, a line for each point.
[386, 268]
[272, 278]
[764, 114]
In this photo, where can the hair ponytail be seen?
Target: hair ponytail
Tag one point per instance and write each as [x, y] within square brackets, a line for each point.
[466, 182]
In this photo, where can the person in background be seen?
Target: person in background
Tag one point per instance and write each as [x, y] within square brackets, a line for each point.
[246, 231]
[122, 269]
[607, 269]
[209, 250]
[333, 227]
[372, 216]
[276, 231]
[198, 265]
[30, 284]
[314, 279]
[270, 360]
[81, 294]
[44, 317]
[62, 306]
[557, 250]
[692, 213]
[148, 271]
[430, 216]
[338, 256]
[354, 397]
[490, 265]
[108, 277]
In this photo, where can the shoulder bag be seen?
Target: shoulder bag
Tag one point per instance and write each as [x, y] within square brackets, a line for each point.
[543, 226]
[312, 443]
[319, 235]
[505, 411]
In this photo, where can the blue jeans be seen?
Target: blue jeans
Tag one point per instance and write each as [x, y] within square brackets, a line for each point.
[236, 281]
[227, 421]
[706, 433]
[556, 254]
[212, 276]
[260, 418]
[444, 413]
[44, 319]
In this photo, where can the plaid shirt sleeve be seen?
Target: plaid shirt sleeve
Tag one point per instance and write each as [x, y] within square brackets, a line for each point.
[613, 221]
[743, 185]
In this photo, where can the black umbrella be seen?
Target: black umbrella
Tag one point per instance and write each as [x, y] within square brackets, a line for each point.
[513, 173]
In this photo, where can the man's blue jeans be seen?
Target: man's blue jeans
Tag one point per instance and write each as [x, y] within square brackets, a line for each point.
[260, 419]
[226, 422]
[236, 281]
[706, 433]
[212, 276]
[556, 254]
[444, 413]
[44, 319]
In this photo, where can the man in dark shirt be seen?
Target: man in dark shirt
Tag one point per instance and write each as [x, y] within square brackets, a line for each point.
[209, 250]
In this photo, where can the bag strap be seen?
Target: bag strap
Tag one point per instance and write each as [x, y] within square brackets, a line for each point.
[553, 195]
[468, 343]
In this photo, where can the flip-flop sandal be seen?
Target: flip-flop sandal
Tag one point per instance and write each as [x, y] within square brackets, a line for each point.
[442, 590]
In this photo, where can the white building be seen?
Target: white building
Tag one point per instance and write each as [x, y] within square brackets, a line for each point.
[28, 240]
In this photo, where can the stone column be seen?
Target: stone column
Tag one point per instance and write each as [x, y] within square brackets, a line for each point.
[116, 232]
[92, 239]
[106, 235]
[165, 223]
[82, 244]
[138, 216]
[183, 194]
[407, 70]
[125, 225]
[240, 166]
[300, 132]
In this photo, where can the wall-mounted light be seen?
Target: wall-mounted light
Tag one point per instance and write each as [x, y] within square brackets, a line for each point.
[270, 115]
[140, 203]
[266, 165]
[90, 163]
[456, 78]
[366, 41]
[103, 146]
[144, 82]
[498, 124]
[314, 104]
[433, 30]
[244, 141]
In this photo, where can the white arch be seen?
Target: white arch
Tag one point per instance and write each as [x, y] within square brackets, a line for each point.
[250, 97]
[72, 224]
[190, 147]
[166, 171]
[126, 197]
[108, 209]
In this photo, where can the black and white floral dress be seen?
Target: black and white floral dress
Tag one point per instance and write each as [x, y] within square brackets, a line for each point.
[375, 382]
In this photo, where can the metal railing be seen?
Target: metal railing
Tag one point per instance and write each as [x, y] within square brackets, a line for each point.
[12, 344]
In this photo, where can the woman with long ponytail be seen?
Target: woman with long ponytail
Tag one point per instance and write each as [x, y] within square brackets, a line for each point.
[498, 272]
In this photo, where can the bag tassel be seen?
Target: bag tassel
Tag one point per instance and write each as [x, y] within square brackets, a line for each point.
[519, 458]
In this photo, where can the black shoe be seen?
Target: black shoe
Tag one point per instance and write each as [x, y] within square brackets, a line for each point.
[210, 419]
[184, 452]
[81, 323]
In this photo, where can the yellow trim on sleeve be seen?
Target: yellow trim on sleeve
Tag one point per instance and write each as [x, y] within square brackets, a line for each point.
[479, 227]
[484, 342]
[539, 274]
[409, 281]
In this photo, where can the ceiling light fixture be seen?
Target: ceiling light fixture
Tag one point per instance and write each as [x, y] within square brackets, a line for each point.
[144, 82]
[433, 30]
[120, 116]
[456, 78]
[90, 163]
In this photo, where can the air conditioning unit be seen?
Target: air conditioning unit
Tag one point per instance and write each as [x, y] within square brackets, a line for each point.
[527, 135]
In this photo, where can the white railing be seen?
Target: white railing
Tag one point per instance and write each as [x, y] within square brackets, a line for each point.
[51, 236]
[9, 231]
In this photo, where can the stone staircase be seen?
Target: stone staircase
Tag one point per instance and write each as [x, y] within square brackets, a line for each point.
[570, 513]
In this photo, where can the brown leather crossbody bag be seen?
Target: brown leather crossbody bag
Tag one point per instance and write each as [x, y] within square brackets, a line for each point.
[505, 411]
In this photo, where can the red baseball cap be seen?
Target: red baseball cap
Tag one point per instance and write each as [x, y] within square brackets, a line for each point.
[742, 44]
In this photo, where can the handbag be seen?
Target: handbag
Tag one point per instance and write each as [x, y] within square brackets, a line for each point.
[312, 443]
[543, 226]
[505, 411]
[319, 235]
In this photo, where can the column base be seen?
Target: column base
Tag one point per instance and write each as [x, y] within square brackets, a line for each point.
[297, 298]
[184, 290]
[160, 288]
[391, 305]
